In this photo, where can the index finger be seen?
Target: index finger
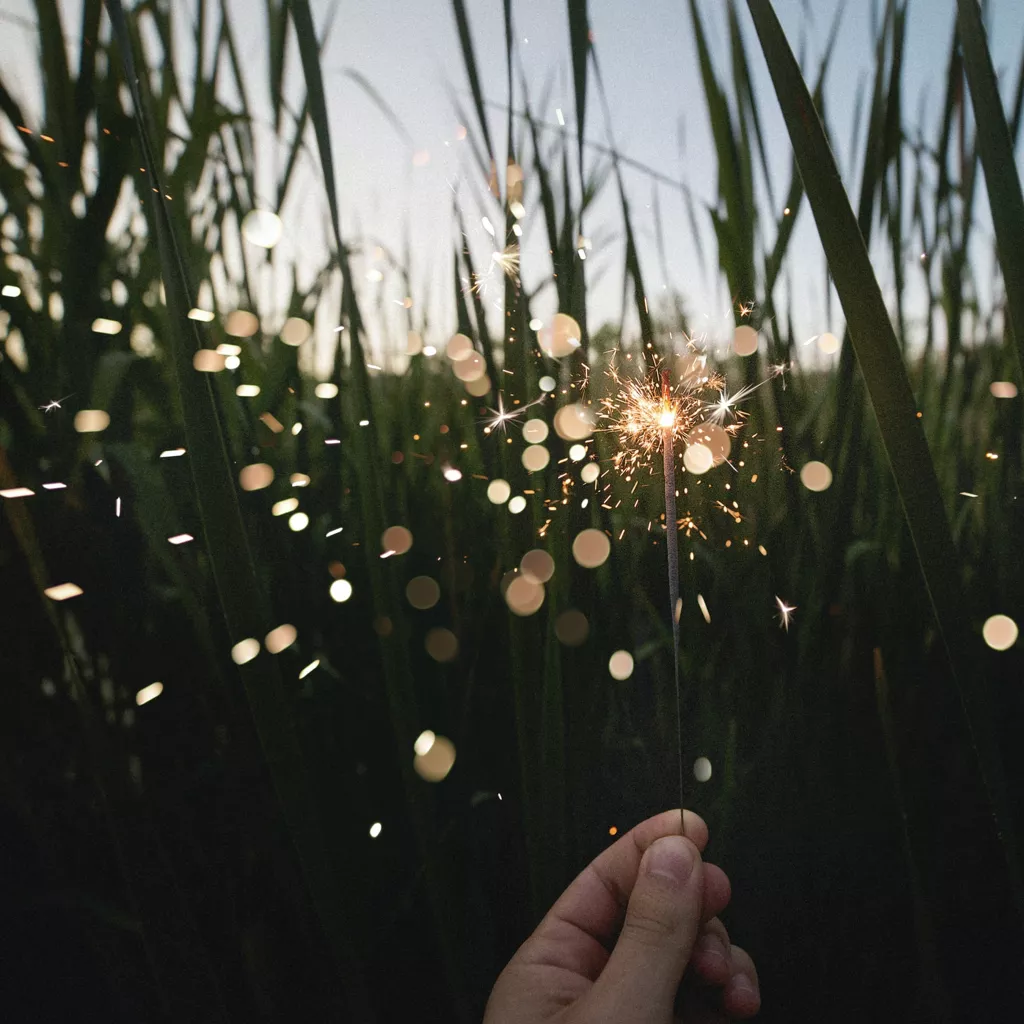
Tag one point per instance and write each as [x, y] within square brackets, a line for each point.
[591, 910]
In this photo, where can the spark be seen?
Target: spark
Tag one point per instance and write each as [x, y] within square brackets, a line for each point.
[785, 612]
[55, 403]
[725, 407]
[501, 416]
[502, 264]
[746, 308]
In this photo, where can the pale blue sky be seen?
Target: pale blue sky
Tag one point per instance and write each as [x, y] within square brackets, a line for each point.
[408, 49]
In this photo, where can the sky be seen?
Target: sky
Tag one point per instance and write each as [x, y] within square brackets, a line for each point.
[395, 192]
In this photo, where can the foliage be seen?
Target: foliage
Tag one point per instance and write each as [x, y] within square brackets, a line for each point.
[211, 847]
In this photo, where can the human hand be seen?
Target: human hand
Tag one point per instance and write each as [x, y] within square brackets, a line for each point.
[617, 943]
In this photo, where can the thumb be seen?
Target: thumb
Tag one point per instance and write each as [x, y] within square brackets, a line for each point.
[639, 982]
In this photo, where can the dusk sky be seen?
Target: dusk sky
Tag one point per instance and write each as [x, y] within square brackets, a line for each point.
[409, 52]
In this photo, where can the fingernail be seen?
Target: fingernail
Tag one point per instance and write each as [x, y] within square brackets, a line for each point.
[670, 858]
[742, 985]
[712, 946]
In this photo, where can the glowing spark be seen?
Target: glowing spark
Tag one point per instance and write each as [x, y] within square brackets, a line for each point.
[55, 403]
[785, 613]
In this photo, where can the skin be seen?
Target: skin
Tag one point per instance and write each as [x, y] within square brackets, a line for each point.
[627, 946]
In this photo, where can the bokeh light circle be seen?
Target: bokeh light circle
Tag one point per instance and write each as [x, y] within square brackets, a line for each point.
[535, 457]
[816, 476]
[262, 228]
[281, 638]
[698, 458]
[620, 665]
[524, 596]
[590, 472]
[1000, 632]
[479, 387]
[296, 331]
[572, 627]
[470, 368]
[561, 339]
[255, 477]
[537, 565]
[298, 521]
[517, 504]
[245, 650]
[716, 439]
[591, 548]
[422, 592]
[498, 492]
[547, 383]
[744, 341]
[396, 539]
[828, 343]
[574, 422]
[240, 323]
[341, 591]
[442, 644]
[460, 347]
[702, 769]
[436, 763]
[535, 431]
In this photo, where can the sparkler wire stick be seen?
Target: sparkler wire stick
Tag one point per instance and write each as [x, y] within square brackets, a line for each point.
[672, 546]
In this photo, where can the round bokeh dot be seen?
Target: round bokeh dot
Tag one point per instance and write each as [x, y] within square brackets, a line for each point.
[590, 472]
[535, 431]
[591, 548]
[620, 665]
[744, 342]
[437, 762]
[422, 592]
[572, 628]
[396, 539]
[536, 457]
[523, 596]
[498, 492]
[1000, 632]
[702, 769]
[442, 644]
[537, 565]
[517, 504]
[816, 476]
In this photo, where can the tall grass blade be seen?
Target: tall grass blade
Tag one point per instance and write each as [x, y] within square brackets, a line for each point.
[469, 59]
[995, 146]
[238, 586]
[894, 405]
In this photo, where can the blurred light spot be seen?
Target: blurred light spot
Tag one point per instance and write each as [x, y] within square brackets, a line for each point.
[572, 628]
[240, 323]
[299, 480]
[460, 347]
[10, 291]
[470, 367]
[397, 539]
[452, 475]
[227, 349]
[295, 331]
[383, 626]
[744, 341]
[245, 650]
[537, 565]
[364, 423]
[620, 665]
[547, 383]
[578, 452]
[283, 507]
[207, 360]
[247, 390]
[524, 596]
[517, 504]
[63, 591]
[702, 604]
[479, 388]
[55, 486]
[424, 742]
[298, 522]
[180, 538]
[280, 638]
[434, 765]
[16, 492]
[148, 693]
[101, 325]
[326, 390]
[498, 492]
[262, 228]
[702, 769]
[204, 316]
[535, 431]
[698, 458]
[591, 548]
[613, 831]
[296, 429]
[1000, 632]
[232, 362]
[816, 476]
[255, 477]
[590, 472]
[91, 421]
[716, 439]
[536, 324]
[442, 645]
[311, 667]
[336, 530]
[574, 422]
[341, 591]
[1003, 389]
[172, 453]
[561, 339]
[535, 457]
[375, 830]
[828, 343]
[422, 592]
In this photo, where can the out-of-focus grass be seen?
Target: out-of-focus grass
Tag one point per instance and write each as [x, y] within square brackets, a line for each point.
[215, 840]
